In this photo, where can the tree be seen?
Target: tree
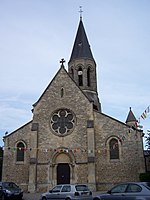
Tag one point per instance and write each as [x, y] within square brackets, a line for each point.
[147, 137]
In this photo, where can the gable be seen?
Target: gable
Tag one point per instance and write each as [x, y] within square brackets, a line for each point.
[107, 126]
[109, 119]
[112, 118]
[20, 129]
[61, 90]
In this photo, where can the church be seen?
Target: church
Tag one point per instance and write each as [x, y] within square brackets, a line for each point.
[70, 139]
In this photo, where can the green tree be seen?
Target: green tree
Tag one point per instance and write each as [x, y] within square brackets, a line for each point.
[147, 139]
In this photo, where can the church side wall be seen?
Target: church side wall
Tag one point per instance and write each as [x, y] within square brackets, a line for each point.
[131, 161]
[17, 171]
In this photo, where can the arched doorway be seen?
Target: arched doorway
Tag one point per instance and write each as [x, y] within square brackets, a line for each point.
[62, 169]
[63, 173]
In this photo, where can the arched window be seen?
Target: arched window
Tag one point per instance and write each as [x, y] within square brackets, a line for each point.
[114, 149]
[20, 151]
[62, 92]
[80, 76]
[88, 77]
[72, 73]
[95, 107]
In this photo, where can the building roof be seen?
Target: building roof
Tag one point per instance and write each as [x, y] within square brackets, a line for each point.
[131, 117]
[146, 152]
[81, 48]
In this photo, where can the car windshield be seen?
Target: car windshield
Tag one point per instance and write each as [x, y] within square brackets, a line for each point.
[81, 188]
[9, 185]
[57, 188]
[119, 188]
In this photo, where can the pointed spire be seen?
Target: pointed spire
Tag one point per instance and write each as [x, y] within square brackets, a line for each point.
[131, 118]
[81, 48]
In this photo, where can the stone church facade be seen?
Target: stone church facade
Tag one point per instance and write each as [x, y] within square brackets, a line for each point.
[70, 139]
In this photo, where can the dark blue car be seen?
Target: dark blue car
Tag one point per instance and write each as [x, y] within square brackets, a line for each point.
[9, 190]
[1, 193]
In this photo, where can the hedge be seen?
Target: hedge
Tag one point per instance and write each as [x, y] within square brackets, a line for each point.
[145, 177]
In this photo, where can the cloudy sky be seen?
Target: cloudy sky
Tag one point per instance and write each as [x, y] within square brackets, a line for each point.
[36, 34]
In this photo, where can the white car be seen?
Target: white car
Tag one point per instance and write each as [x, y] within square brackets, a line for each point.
[68, 192]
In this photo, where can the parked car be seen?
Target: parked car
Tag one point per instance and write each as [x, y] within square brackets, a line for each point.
[1, 193]
[10, 190]
[127, 191]
[68, 192]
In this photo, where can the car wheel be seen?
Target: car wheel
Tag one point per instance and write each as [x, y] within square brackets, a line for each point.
[67, 198]
[96, 198]
[44, 198]
[3, 197]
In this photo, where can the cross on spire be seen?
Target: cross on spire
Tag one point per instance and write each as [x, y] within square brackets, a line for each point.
[80, 11]
[62, 62]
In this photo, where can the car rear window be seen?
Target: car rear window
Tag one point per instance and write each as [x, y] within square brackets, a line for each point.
[81, 188]
[66, 188]
[133, 188]
[147, 185]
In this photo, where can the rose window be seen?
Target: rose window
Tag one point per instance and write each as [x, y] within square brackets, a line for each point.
[62, 121]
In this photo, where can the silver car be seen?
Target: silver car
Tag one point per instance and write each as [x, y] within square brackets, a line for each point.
[68, 192]
[127, 191]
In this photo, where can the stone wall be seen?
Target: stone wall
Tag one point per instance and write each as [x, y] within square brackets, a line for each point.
[13, 170]
[130, 163]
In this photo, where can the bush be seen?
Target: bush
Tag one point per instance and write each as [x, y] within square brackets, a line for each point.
[145, 177]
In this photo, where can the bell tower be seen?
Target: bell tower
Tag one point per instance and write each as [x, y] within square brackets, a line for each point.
[82, 66]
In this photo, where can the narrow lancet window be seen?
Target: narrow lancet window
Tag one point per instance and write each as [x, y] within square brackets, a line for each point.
[72, 73]
[88, 77]
[80, 76]
[62, 92]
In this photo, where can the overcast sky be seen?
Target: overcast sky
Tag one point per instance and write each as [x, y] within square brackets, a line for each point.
[36, 34]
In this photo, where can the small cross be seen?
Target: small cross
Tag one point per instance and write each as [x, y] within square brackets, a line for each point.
[80, 11]
[62, 62]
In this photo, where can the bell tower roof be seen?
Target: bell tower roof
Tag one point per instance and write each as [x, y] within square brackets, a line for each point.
[131, 117]
[81, 47]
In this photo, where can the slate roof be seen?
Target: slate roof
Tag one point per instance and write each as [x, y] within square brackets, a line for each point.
[131, 117]
[81, 48]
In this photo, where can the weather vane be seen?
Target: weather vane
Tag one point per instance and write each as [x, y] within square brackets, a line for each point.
[80, 11]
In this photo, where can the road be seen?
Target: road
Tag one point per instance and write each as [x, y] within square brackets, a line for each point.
[36, 196]
[30, 196]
